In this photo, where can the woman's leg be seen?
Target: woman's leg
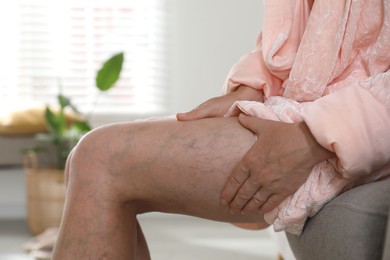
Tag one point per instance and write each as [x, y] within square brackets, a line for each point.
[122, 170]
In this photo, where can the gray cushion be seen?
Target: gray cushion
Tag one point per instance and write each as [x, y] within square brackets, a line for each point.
[351, 226]
[386, 251]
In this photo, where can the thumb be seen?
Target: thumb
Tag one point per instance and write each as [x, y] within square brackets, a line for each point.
[194, 114]
[249, 122]
[182, 116]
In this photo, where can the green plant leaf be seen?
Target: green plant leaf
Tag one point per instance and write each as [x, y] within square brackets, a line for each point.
[108, 75]
[55, 123]
[52, 121]
[64, 101]
[82, 126]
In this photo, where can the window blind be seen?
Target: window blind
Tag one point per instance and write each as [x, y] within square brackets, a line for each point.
[61, 44]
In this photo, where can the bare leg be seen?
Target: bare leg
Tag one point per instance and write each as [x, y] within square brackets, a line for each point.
[122, 170]
[142, 251]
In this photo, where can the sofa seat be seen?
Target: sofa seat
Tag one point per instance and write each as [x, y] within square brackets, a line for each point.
[354, 225]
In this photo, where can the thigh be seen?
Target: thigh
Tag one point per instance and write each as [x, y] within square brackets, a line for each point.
[178, 167]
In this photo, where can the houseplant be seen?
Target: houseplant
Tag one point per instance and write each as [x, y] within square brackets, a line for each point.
[45, 181]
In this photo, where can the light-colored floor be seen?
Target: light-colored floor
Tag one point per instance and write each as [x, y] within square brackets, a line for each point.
[170, 237]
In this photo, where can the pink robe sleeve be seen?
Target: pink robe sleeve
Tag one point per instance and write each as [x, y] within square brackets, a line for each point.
[252, 71]
[354, 122]
[270, 63]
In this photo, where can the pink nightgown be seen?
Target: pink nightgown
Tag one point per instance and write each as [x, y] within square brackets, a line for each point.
[325, 62]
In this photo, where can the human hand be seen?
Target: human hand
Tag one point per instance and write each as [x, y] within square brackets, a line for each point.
[218, 106]
[274, 168]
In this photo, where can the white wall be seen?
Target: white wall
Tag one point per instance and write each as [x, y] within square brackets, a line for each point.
[207, 37]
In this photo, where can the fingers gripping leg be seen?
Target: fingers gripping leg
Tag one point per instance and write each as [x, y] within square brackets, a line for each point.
[121, 170]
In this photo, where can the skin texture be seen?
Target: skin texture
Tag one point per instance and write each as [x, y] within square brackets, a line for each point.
[217, 106]
[211, 167]
[275, 167]
[119, 171]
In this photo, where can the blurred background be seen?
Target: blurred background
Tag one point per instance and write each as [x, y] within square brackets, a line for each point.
[177, 54]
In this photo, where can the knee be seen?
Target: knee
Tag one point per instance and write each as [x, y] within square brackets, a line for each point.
[110, 161]
[67, 167]
[93, 156]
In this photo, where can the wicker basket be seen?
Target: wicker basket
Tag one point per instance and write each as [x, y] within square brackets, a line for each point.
[45, 196]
